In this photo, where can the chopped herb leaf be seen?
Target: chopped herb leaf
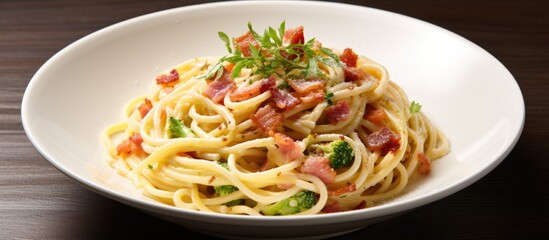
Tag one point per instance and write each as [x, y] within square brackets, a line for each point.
[328, 98]
[275, 57]
[177, 129]
[225, 39]
[415, 107]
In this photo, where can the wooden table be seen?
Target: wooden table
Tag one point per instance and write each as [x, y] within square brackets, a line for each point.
[39, 202]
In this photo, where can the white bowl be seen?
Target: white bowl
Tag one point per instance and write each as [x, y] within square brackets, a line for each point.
[464, 90]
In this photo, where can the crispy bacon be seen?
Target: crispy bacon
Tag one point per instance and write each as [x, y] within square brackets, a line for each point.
[332, 207]
[361, 205]
[338, 192]
[267, 83]
[267, 119]
[217, 89]
[349, 57]
[353, 73]
[304, 86]
[283, 99]
[167, 78]
[294, 36]
[131, 145]
[374, 115]
[244, 93]
[316, 96]
[338, 112]
[383, 139]
[288, 147]
[424, 164]
[252, 90]
[136, 139]
[145, 107]
[319, 167]
[243, 43]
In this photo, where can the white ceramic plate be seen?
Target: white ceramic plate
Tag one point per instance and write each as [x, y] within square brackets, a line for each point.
[465, 91]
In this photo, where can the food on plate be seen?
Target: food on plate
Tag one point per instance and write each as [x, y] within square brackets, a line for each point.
[280, 125]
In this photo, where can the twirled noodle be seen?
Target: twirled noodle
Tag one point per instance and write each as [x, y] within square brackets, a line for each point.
[228, 146]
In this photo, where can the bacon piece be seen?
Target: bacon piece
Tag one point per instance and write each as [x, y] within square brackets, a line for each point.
[425, 165]
[131, 145]
[374, 115]
[332, 207]
[252, 90]
[228, 67]
[283, 99]
[124, 148]
[244, 93]
[311, 97]
[217, 89]
[353, 73]
[347, 189]
[288, 147]
[136, 139]
[285, 185]
[349, 57]
[383, 139]
[304, 86]
[267, 119]
[243, 43]
[166, 90]
[145, 107]
[319, 167]
[338, 112]
[267, 84]
[361, 205]
[167, 78]
[294, 36]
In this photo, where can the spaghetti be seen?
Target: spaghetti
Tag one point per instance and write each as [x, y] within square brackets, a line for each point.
[278, 126]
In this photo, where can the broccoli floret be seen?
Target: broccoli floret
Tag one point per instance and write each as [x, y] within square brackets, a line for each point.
[299, 202]
[224, 164]
[223, 190]
[177, 129]
[339, 152]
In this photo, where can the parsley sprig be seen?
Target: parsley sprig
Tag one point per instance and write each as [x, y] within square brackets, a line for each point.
[272, 56]
[415, 107]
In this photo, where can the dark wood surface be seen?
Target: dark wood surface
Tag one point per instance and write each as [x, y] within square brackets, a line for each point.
[39, 202]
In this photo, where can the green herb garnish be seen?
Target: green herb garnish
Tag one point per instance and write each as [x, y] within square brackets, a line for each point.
[415, 107]
[328, 98]
[177, 129]
[272, 56]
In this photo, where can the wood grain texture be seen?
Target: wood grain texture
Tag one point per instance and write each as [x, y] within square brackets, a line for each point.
[39, 202]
